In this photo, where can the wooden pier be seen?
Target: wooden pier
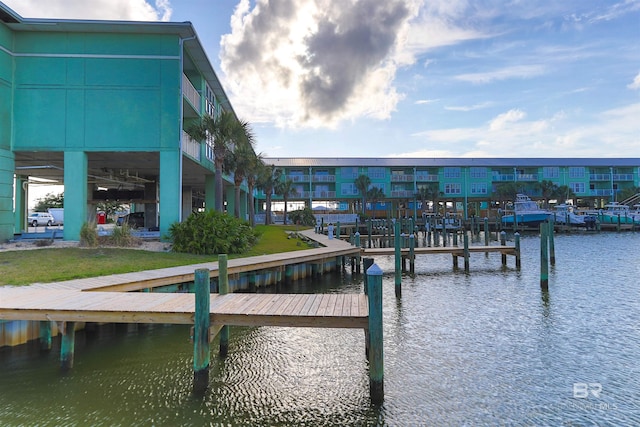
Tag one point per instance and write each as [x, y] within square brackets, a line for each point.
[109, 300]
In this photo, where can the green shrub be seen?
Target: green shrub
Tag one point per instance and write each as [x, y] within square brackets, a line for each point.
[89, 235]
[212, 232]
[302, 217]
[121, 236]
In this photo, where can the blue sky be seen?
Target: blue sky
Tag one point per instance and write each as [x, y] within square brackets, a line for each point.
[413, 78]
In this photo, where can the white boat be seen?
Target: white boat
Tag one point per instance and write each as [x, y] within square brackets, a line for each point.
[526, 212]
[614, 212]
[565, 214]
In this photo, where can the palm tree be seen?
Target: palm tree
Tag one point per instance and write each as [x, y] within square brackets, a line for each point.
[252, 178]
[240, 161]
[374, 194]
[285, 189]
[506, 191]
[548, 189]
[226, 131]
[429, 192]
[268, 179]
[563, 193]
[362, 183]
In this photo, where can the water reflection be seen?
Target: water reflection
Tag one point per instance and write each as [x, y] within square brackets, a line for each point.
[484, 348]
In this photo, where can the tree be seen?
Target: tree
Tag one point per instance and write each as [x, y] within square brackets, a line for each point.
[362, 183]
[109, 207]
[50, 201]
[563, 193]
[375, 194]
[268, 178]
[430, 192]
[285, 189]
[506, 191]
[548, 189]
[226, 131]
[241, 162]
[252, 177]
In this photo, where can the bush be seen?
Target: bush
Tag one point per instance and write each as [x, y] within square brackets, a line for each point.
[212, 232]
[302, 217]
[89, 235]
[121, 236]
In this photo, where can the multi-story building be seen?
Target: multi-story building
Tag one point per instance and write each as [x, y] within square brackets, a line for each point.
[471, 184]
[101, 107]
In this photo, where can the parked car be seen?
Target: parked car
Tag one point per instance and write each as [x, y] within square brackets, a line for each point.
[41, 218]
[135, 220]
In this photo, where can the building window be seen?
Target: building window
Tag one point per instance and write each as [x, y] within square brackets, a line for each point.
[452, 188]
[576, 172]
[452, 172]
[349, 189]
[376, 172]
[349, 172]
[577, 187]
[478, 188]
[478, 173]
[551, 172]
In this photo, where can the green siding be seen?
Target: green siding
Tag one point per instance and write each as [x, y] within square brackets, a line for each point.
[97, 104]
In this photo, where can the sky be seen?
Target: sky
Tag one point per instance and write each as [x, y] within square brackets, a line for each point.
[413, 78]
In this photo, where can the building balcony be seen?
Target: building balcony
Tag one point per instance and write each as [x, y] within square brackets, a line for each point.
[623, 177]
[190, 147]
[323, 194]
[324, 178]
[426, 177]
[527, 177]
[498, 177]
[190, 92]
[600, 177]
[601, 193]
[298, 178]
[403, 193]
[398, 177]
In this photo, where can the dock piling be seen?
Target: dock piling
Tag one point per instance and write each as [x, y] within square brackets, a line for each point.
[45, 335]
[67, 344]
[552, 245]
[544, 263]
[503, 242]
[202, 321]
[466, 252]
[376, 355]
[223, 289]
[517, 245]
[398, 259]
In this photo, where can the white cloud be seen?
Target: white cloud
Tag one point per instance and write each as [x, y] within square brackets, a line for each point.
[635, 85]
[517, 71]
[469, 107]
[501, 121]
[129, 10]
[426, 101]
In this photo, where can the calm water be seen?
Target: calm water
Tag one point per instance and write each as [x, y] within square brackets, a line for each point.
[487, 348]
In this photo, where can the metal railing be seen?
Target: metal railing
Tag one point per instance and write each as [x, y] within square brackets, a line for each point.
[190, 147]
[190, 93]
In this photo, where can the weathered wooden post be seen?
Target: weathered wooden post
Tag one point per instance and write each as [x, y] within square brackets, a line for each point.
[223, 289]
[466, 252]
[398, 256]
[358, 256]
[67, 344]
[322, 225]
[366, 263]
[45, 335]
[552, 245]
[412, 253]
[517, 245]
[544, 264]
[503, 242]
[369, 226]
[486, 231]
[376, 354]
[201, 324]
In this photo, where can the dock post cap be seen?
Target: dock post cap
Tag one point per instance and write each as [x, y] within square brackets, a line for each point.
[374, 270]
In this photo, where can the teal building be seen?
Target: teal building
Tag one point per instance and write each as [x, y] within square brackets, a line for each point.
[101, 107]
[470, 183]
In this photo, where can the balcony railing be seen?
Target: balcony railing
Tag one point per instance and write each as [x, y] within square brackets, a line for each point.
[426, 177]
[190, 147]
[600, 177]
[623, 177]
[402, 193]
[398, 177]
[601, 192]
[503, 177]
[527, 177]
[324, 178]
[298, 178]
[321, 194]
[191, 93]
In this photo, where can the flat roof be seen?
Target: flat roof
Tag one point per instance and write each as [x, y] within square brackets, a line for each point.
[449, 161]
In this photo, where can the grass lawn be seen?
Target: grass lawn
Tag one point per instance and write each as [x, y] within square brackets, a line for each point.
[57, 264]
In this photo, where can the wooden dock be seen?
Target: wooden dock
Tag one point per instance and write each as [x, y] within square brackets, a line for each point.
[297, 310]
[77, 301]
[453, 250]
